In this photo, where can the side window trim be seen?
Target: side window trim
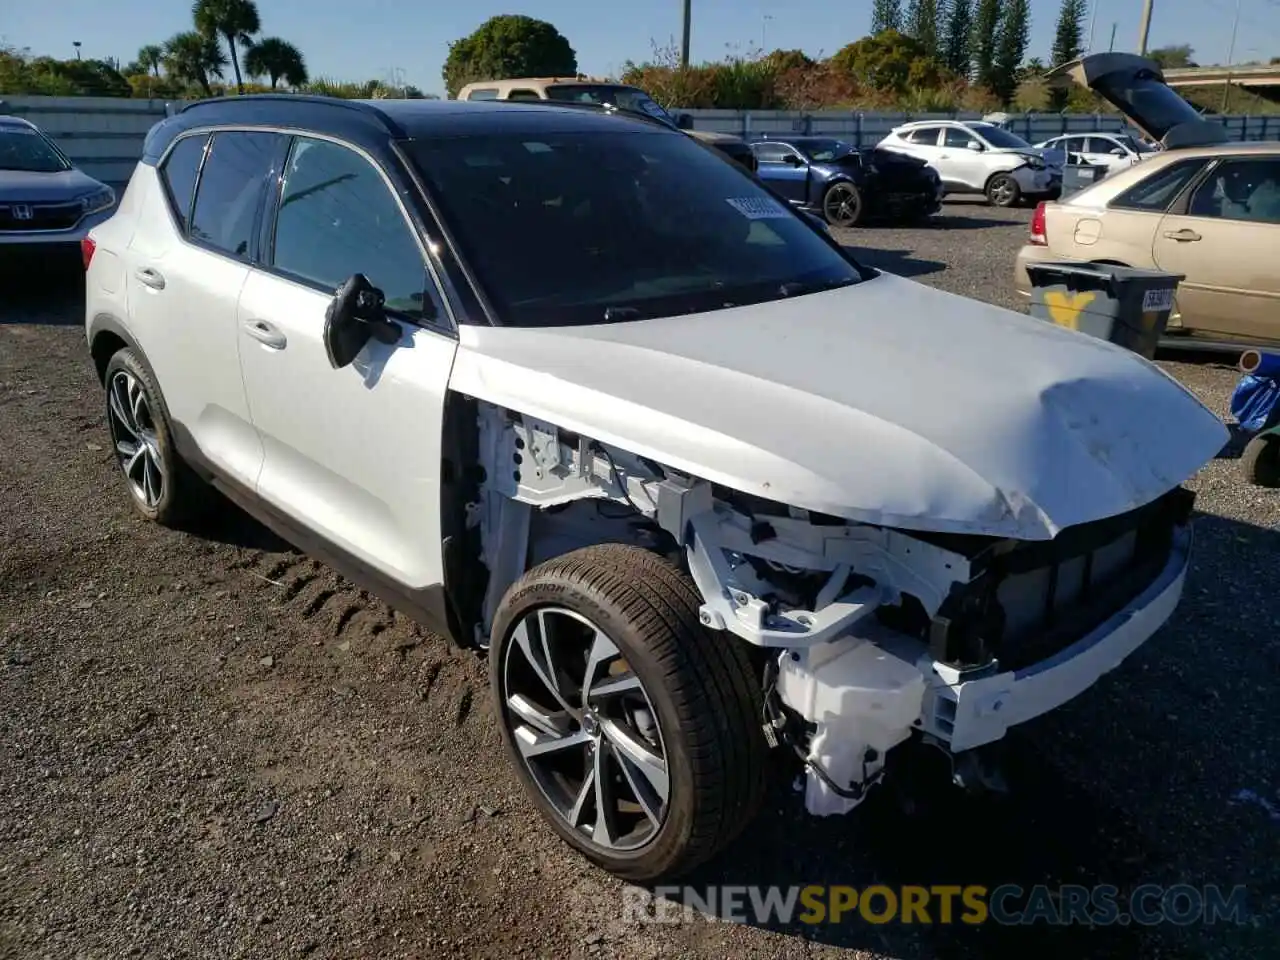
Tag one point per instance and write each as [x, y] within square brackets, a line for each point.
[183, 221]
[442, 321]
[252, 257]
[1179, 200]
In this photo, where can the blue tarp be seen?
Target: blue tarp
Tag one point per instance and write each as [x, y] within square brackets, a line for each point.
[1254, 402]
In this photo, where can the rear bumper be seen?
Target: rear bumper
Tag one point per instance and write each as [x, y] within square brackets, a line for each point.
[981, 711]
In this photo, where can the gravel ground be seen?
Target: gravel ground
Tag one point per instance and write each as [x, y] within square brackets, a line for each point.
[211, 746]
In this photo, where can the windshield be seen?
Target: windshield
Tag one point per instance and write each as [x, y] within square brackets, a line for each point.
[1000, 137]
[820, 151]
[22, 148]
[595, 227]
[624, 98]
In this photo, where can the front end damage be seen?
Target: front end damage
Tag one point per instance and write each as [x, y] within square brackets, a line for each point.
[868, 636]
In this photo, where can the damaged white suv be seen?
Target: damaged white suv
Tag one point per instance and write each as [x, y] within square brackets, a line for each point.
[583, 396]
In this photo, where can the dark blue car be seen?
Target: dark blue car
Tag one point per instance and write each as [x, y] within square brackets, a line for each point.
[846, 185]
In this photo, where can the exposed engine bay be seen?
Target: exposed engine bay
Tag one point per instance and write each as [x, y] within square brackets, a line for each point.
[865, 636]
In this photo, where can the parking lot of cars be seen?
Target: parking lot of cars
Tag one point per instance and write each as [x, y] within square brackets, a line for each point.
[212, 746]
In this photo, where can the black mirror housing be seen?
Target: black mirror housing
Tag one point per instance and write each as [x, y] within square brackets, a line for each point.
[684, 121]
[356, 313]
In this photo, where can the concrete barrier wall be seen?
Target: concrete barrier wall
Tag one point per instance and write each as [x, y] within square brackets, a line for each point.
[104, 135]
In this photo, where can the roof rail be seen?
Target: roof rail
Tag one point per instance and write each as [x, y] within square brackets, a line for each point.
[362, 106]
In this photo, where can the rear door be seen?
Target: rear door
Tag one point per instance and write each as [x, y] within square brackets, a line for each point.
[352, 454]
[1224, 237]
[784, 169]
[188, 260]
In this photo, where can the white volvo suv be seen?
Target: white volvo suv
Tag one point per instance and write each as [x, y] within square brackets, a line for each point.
[582, 396]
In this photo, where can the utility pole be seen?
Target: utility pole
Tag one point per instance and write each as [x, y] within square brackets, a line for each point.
[764, 35]
[1093, 16]
[1145, 29]
[1231, 57]
[684, 37]
[1113, 37]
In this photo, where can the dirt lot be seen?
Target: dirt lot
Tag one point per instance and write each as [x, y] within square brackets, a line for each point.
[211, 746]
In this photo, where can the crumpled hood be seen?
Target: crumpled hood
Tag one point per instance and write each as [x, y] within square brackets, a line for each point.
[24, 186]
[1051, 157]
[887, 402]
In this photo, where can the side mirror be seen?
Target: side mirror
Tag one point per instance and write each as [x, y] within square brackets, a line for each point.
[355, 314]
[1119, 152]
[975, 146]
[794, 161]
[684, 121]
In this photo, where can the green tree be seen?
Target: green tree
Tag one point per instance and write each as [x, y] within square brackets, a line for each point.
[1173, 57]
[886, 15]
[1011, 47]
[508, 46]
[150, 57]
[986, 35]
[277, 60]
[922, 24]
[1068, 38]
[888, 61]
[194, 58]
[235, 21]
[955, 43]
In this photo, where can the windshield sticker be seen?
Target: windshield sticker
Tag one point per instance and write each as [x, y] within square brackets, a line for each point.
[758, 208]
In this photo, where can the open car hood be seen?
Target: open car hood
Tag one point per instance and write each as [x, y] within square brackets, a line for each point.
[886, 402]
[1135, 86]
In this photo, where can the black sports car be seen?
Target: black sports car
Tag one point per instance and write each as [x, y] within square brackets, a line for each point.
[847, 185]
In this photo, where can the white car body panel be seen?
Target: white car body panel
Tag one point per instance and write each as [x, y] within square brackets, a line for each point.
[354, 453]
[886, 402]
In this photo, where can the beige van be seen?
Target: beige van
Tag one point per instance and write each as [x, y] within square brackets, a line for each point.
[581, 89]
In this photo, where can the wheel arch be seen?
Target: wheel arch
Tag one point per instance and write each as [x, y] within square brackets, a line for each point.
[107, 336]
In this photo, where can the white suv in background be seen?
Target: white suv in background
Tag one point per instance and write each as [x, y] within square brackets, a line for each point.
[974, 156]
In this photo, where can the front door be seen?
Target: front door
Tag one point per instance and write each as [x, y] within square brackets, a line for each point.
[1225, 244]
[963, 158]
[786, 172]
[352, 454]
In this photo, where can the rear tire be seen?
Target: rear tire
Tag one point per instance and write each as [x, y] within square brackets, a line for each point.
[1260, 461]
[161, 486]
[1003, 191]
[677, 732]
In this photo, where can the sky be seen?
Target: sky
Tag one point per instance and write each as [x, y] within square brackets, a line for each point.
[406, 41]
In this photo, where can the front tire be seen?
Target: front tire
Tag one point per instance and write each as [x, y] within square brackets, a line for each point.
[1003, 191]
[160, 484]
[636, 732]
[842, 205]
[1260, 461]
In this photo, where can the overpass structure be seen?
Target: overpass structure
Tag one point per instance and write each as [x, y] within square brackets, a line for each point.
[1262, 79]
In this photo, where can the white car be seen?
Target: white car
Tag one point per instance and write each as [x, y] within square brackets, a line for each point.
[698, 488]
[1115, 151]
[977, 157]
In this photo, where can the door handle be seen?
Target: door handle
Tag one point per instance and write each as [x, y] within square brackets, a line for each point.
[1182, 236]
[149, 277]
[266, 333]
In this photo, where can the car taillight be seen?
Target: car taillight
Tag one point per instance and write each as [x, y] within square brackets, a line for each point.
[1037, 226]
[87, 246]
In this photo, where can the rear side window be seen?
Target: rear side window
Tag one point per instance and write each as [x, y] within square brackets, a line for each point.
[179, 174]
[523, 95]
[231, 189]
[1157, 192]
[926, 136]
[488, 93]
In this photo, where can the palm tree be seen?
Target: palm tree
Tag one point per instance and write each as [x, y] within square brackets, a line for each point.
[194, 58]
[150, 57]
[235, 21]
[278, 59]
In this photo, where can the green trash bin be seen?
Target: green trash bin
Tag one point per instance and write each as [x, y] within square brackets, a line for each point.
[1120, 304]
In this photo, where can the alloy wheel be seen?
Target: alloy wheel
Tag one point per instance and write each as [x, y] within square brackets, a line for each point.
[842, 205]
[1002, 192]
[585, 729]
[133, 432]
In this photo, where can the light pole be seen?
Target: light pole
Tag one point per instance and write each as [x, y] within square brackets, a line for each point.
[1145, 29]
[1231, 56]
[764, 27]
[1093, 16]
[76, 44]
[684, 37]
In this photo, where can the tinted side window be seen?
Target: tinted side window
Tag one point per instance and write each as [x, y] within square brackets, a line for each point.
[337, 218]
[179, 174]
[926, 136]
[770, 152]
[1247, 190]
[524, 95]
[955, 137]
[1159, 190]
[487, 93]
[231, 188]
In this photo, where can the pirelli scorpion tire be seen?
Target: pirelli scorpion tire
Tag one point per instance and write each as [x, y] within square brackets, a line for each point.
[636, 732]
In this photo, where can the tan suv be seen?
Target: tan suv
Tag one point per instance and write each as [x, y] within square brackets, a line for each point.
[1199, 206]
[621, 96]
